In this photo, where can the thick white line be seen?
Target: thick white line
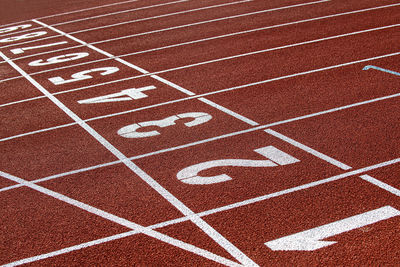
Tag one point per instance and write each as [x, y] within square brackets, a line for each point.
[308, 149]
[100, 16]
[207, 62]
[204, 213]
[261, 127]
[211, 232]
[176, 27]
[71, 12]
[121, 221]
[381, 184]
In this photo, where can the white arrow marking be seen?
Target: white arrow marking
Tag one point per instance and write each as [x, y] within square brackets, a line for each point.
[312, 239]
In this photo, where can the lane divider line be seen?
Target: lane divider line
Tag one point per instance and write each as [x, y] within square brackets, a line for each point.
[332, 161]
[175, 27]
[263, 28]
[206, 228]
[118, 220]
[100, 16]
[71, 12]
[209, 212]
[261, 127]
[206, 94]
[218, 59]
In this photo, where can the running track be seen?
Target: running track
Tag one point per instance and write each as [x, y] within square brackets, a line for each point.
[209, 132]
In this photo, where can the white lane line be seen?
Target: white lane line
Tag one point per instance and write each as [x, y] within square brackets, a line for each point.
[332, 161]
[308, 149]
[206, 228]
[218, 59]
[71, 12]
[100, 16]
[173, 85]
[180, 26]
[195, 41]
[208, 212]
[113, 218]
[261, 127]
[381, 184]
[228, 111]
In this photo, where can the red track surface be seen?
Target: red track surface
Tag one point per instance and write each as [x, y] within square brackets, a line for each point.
[252, 133]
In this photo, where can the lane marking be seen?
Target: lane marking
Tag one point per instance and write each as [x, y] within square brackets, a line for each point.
[381, 69]
[113, 218]
[184, 219]
[214, 93]
[381, 184]
[206, 228]
[310, 240]
[186, 25]
[215, 60]
[105, 15]
[261, 127]
[332, 161]
[268, 27]
[308, 149]
[71, 12]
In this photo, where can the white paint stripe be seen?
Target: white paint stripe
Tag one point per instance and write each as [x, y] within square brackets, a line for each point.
[207, 62]
[100, 16]
[204, 213]
[230, 112]
[213, 139]
[178, 27]
[110, 217]
[217, 237]
[308, 150]
[71, 12]
[381, 184]
[190, 42]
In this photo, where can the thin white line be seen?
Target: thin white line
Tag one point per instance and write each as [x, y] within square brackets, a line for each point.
[261, 127]
[230, 112]
[99, 16]
[301, 187]
[207, 62]
[211, 232]
[381, 184]
[308, 149]
[177, 27]
[113, 218]
[71, 12]
[201, 214]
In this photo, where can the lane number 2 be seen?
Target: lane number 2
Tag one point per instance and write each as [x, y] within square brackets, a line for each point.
[275, 157]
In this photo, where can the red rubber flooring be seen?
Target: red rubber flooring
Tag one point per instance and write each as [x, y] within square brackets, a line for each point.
[205, 133]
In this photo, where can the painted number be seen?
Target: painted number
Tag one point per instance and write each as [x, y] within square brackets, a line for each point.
[83, 75]
[58, 59]
[21, 50]
[312, 239]
[275, 158]
[14, 28]
[124, 95]
[21, 37]
[130, 131]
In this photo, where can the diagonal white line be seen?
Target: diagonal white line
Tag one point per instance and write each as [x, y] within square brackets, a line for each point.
[208, 212]
[206, 228]
[72, 12]
[214, 60]
[175, 27]
[100, 16]
[121, 221]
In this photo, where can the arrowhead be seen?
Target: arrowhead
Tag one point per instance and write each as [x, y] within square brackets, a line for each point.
[292, 243]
